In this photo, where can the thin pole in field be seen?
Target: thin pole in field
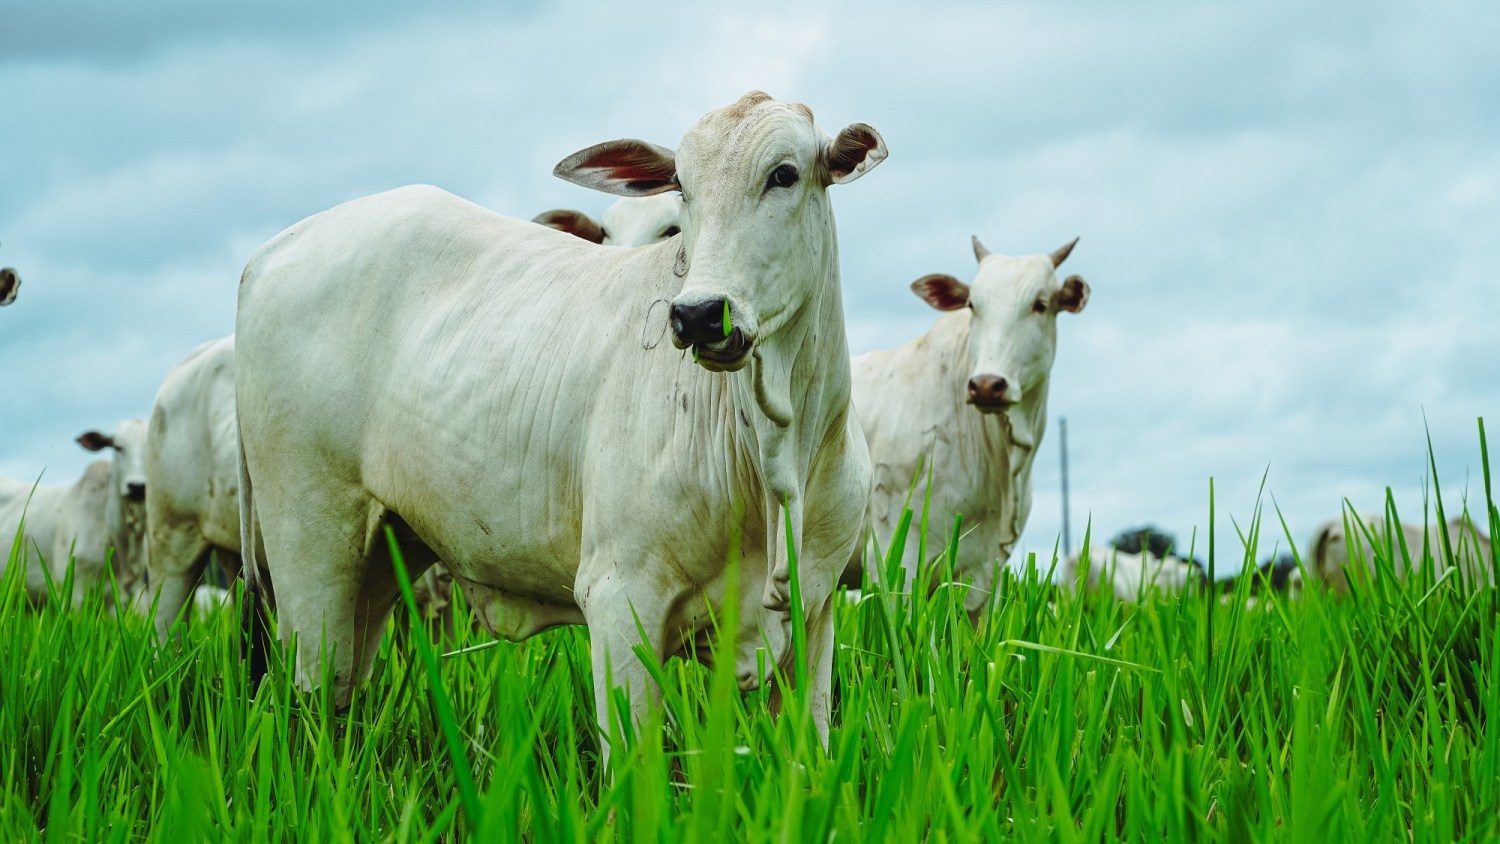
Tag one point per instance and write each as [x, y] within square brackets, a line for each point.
[1062, 425]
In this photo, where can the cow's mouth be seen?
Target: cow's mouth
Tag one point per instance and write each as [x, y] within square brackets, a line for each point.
[728, 353]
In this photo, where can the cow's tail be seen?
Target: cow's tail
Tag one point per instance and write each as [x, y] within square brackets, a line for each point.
[255, 638]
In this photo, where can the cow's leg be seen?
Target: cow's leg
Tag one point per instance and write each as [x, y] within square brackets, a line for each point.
[175, 563]
[382, 591]
[317, 552]
[617, 613]
[820, 647]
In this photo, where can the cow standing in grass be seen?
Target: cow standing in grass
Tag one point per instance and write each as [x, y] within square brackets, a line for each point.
[10, 286]
[1333, 559]
[98, 522]
[508, 399]
[966, 402]
[192, 490]
[192, 477]
[630, 221]
[1127, 575]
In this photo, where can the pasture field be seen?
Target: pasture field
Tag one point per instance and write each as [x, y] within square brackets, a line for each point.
[1060, 717]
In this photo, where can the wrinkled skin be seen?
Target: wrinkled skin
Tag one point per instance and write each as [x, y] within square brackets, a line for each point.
[502, 396]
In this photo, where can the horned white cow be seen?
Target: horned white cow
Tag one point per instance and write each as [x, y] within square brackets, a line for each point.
[503, 397]
[10, 285]
[192, 477]
[631, 221]
[97, 519]
[1334, 559]
[967, 401]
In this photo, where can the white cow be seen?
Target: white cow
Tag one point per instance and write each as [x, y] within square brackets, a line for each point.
[10, 285]
[966, 401]
[631, 221]
[1129, 576]
[504, 397]
[192, 477]
[99, 514]
[125, 508]
[1332, 558]
[193, 482]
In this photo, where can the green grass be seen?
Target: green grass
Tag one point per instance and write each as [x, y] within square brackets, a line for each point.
[1060, 717]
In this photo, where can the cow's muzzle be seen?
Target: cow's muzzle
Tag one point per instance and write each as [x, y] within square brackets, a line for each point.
[991, 393]
[707, 327]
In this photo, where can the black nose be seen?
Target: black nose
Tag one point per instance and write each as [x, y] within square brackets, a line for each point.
[135, 492]
[702, 322]
[987, 390]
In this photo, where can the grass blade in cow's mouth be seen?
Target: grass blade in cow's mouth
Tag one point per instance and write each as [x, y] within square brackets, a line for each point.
[727, 351]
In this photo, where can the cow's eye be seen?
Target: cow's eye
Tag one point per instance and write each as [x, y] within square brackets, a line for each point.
[782, 177]
[671, 231]
[1039, 306]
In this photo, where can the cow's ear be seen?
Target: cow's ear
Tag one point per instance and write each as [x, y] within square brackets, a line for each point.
[575, 223]
[853, 152]
[95, 441]
[942, 291]
[627, 168]
[1073, 295]
[9, 284]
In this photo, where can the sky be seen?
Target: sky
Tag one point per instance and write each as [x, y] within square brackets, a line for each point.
[1289, 211]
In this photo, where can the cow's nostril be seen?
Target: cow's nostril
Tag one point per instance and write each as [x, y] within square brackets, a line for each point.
[699, 322]
[135, 492]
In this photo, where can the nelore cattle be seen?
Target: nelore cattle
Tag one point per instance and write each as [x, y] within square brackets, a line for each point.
[96, 524]
[192, 477]
[192, 489]
[1336, 558]
[630, 221]
[584, 435]
[1129, 576]
[967, 402]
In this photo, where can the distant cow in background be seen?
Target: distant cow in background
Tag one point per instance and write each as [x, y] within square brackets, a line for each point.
[10, 285]
[1333, 558]
[1129, 576]
[968, 401]
[192, 477]
[99, 514]
[125, 508]
[631, 221]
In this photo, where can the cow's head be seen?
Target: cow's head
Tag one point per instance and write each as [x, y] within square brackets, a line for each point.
[630, 221]
[129, 465]
[1014, 303]
[757, 231]
[10, 285]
